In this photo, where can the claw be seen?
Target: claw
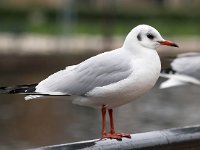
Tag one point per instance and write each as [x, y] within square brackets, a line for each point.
[117, 136]
[124, 135]
[112, 136]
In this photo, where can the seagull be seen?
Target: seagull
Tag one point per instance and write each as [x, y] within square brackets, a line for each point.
[107, 80]
[185, 69]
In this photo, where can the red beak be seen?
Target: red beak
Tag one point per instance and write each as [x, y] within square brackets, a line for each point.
[168, 43]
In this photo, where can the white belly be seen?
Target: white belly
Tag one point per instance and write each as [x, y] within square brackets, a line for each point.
[137, 84]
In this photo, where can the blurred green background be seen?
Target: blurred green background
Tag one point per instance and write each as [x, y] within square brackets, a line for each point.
[90, 17]
[38, 38]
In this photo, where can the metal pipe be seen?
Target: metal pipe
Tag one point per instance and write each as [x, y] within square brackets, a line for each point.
[185, 138]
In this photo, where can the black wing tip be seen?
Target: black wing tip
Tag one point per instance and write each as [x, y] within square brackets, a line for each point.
[18, 89]
[168, 71]
[26, 89]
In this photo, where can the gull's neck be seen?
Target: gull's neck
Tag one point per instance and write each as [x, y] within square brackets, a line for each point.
[136, 49]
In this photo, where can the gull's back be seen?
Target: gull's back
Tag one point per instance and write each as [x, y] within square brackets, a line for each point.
[97, 71]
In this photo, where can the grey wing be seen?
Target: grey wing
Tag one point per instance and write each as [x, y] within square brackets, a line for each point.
[95, 72]
[188, 64]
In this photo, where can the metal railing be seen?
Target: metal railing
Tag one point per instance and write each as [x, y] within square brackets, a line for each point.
[186, 138]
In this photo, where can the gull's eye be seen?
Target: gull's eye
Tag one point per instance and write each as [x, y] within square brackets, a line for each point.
[150, 36]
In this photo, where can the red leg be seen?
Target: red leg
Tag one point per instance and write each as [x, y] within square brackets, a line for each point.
[103, 111]
[112, 134]
[112, 129]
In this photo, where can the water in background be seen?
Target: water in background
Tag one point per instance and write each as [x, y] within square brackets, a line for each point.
[29, 124]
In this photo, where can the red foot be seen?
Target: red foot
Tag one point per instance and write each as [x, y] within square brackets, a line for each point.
[124, 135]
[112, 136]
[117, 136]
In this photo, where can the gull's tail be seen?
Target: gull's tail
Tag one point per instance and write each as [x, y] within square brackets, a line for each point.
[29, 90]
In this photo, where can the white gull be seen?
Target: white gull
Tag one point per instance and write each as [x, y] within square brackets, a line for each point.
[109, 79]
[185, 69]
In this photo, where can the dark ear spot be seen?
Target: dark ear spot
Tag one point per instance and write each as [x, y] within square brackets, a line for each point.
[139, 37]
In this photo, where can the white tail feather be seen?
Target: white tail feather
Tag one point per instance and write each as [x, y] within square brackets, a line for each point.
[30, 97]
[177, 80]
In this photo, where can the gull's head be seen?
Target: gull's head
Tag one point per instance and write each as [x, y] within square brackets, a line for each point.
[147, 37]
